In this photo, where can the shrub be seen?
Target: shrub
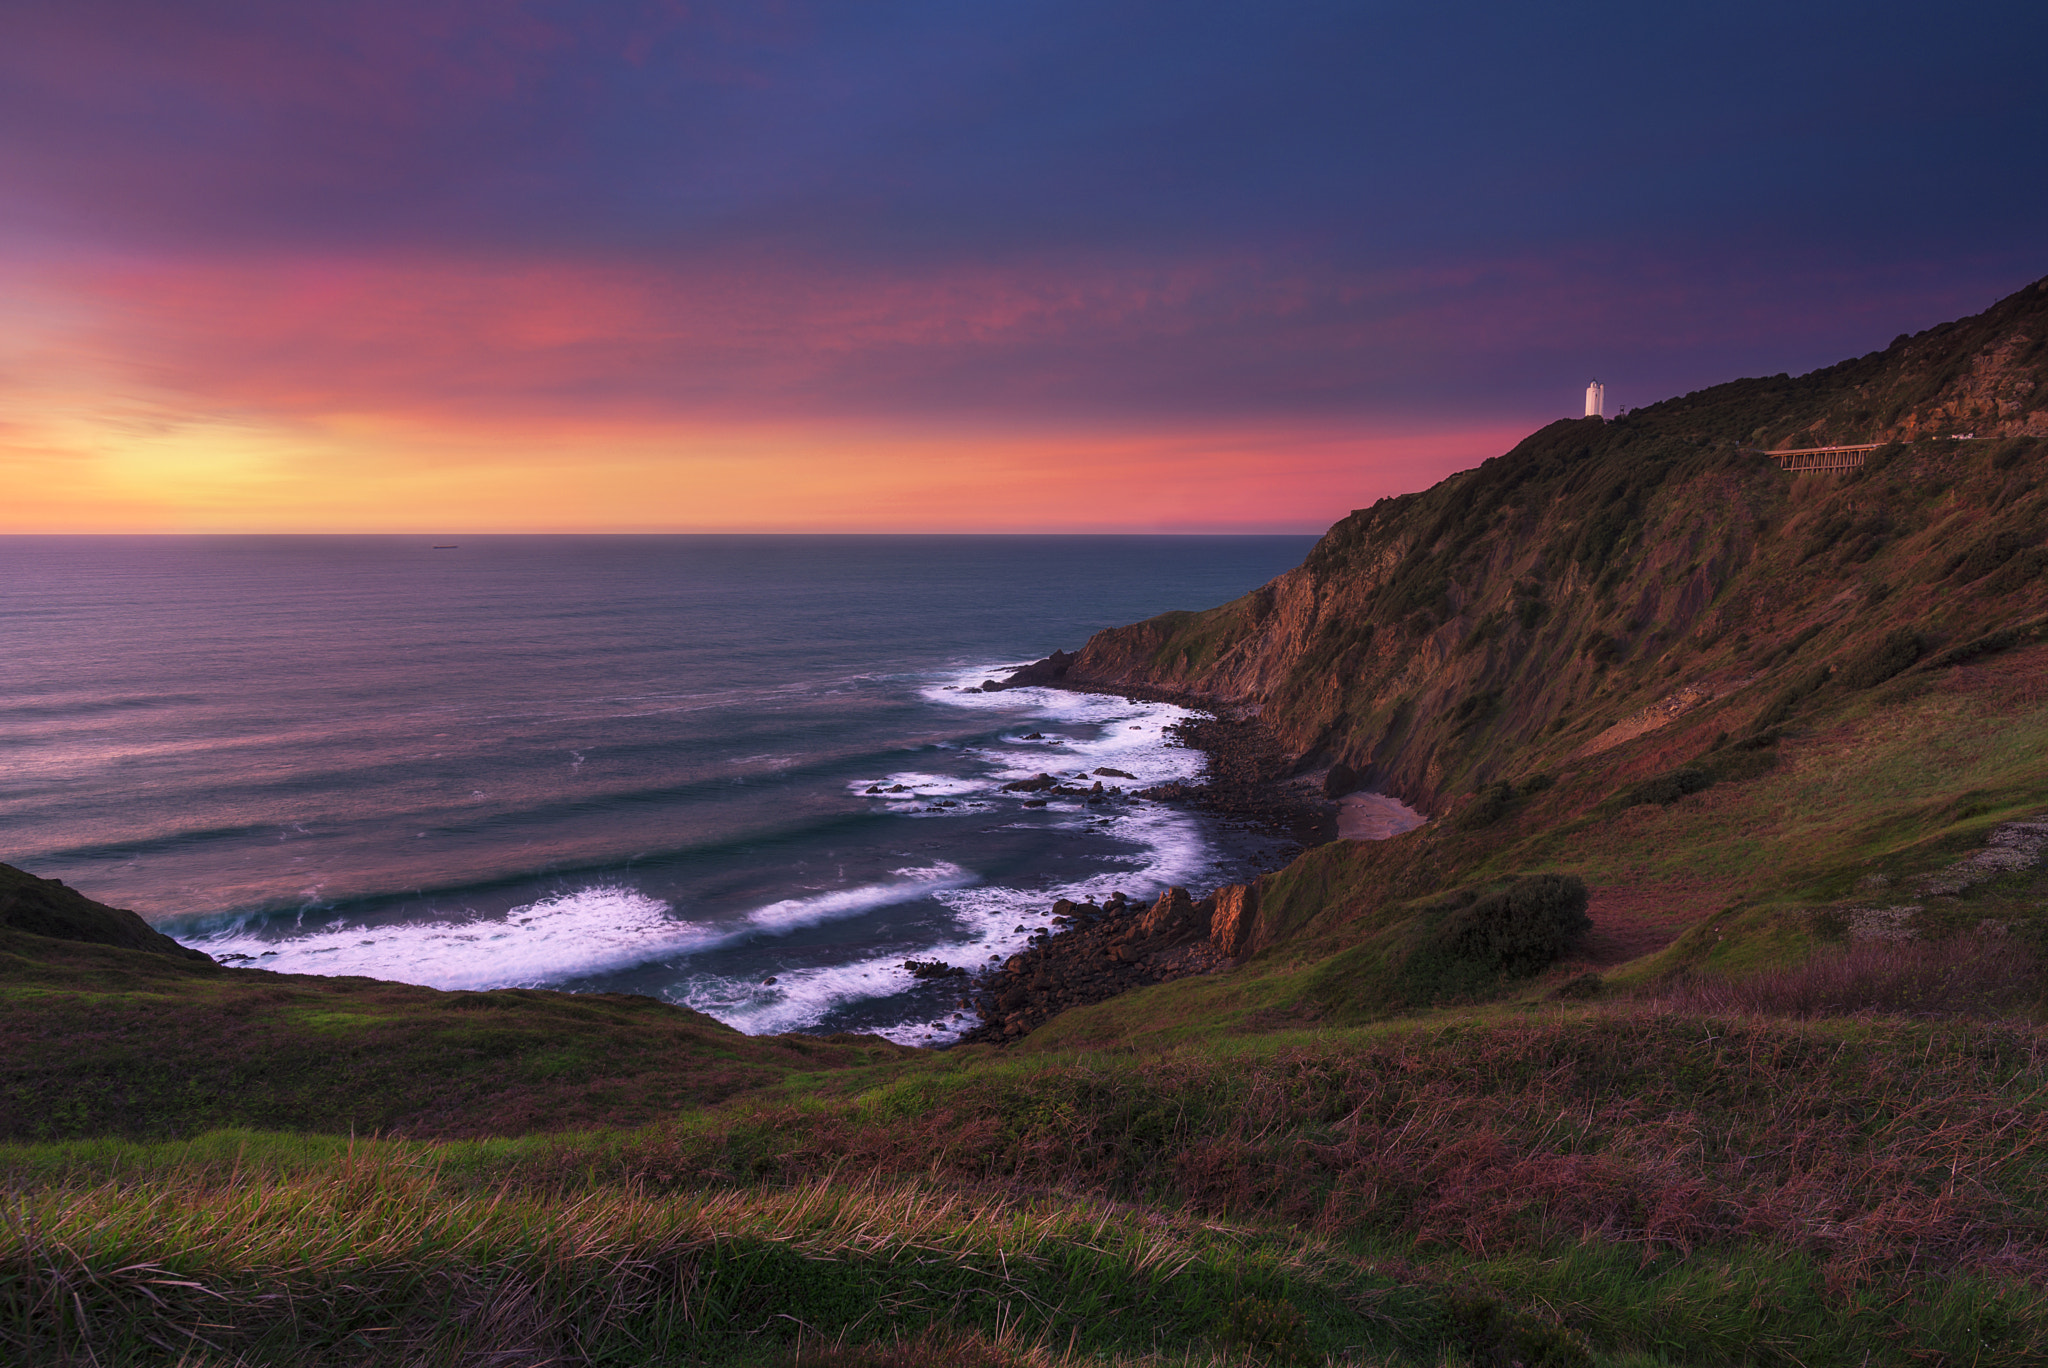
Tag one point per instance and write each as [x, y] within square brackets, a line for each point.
[1490, 804]
[1743, 761]
[1475, 709]
[1883, 659]
[1991, 552]
[1518, 931]
[1991, 643]
[1787, 702]
[2017, 572]
[1665, 789]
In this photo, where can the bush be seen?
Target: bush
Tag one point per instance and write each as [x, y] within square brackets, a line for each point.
[1742, 761]
[1991, 643]
[1665, 789]
[1990, 553]
[1490, 804]
[1882, 660]
[2018, 572]
[1786, 703]
[1520, 930]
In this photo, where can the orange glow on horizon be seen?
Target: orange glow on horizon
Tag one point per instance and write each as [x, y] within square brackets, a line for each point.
[324, 397]
[376, 476]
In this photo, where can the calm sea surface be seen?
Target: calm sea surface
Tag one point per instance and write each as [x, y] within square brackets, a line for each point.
[631, 763]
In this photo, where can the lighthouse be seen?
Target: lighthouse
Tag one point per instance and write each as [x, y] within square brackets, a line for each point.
[1596, 399]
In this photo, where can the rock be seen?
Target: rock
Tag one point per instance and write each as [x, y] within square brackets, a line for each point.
[1046, 671]
[768, 982]
[1037, 783]
[1033, 736]
[1108, 773]
[1341, 780]
[1230, 928]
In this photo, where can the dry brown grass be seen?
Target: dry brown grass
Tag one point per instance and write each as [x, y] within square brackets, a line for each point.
[1981, 975]
[1878, 1148]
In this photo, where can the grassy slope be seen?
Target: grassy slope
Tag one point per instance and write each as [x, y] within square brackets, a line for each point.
[1652, 1184]
[101, 1040]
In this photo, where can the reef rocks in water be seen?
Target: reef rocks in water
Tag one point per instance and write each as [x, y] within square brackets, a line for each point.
[1038, 673]
[1250, 782]
[1100, 951]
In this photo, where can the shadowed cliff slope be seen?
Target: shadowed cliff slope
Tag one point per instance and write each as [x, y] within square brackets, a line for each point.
[45, 907]
[1605, 577]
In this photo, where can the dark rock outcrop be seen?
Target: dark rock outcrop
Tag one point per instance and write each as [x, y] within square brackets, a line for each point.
[1050, 670]
[1106, 950]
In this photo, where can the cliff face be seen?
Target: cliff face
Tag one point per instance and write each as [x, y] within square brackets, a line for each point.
[1604, 577]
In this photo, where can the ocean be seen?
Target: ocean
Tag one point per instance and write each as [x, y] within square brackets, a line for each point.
[747, 774]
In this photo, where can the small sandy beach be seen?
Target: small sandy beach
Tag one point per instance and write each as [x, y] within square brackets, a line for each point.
[1374, 817]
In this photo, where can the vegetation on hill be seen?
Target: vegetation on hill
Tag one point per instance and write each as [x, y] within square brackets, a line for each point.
[1703, 1026]
[1497, 625]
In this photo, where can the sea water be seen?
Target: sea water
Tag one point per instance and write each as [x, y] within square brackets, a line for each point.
[751, 775]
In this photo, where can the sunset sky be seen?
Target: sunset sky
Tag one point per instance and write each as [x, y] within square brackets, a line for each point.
[449, 265]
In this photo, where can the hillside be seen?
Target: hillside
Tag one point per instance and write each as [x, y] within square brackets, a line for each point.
[1702, 1025]
[1607, 576]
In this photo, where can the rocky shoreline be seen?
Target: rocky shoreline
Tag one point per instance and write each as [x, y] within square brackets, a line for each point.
[1098, 951]
[1101, 951]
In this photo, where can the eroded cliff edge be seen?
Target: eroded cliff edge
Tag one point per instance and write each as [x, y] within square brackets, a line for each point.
[1607, 576]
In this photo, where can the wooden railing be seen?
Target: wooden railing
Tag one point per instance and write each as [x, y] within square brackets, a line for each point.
[1823, 458]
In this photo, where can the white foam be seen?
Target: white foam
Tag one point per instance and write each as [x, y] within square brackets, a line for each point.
[791, 913]
[568, 936]
[562, 937]
[918, 786]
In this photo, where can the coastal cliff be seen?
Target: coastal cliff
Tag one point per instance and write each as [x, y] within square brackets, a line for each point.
[1605, 577]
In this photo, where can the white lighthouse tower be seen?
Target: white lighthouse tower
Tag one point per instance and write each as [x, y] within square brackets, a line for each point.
[1596, 399]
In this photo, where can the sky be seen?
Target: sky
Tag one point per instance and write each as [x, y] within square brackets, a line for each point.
[435, 266]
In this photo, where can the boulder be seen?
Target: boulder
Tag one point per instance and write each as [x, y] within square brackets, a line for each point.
[1173, 917]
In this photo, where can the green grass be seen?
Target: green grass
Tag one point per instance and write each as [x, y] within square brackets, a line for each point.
[99, 1040]
[1651, 1186]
